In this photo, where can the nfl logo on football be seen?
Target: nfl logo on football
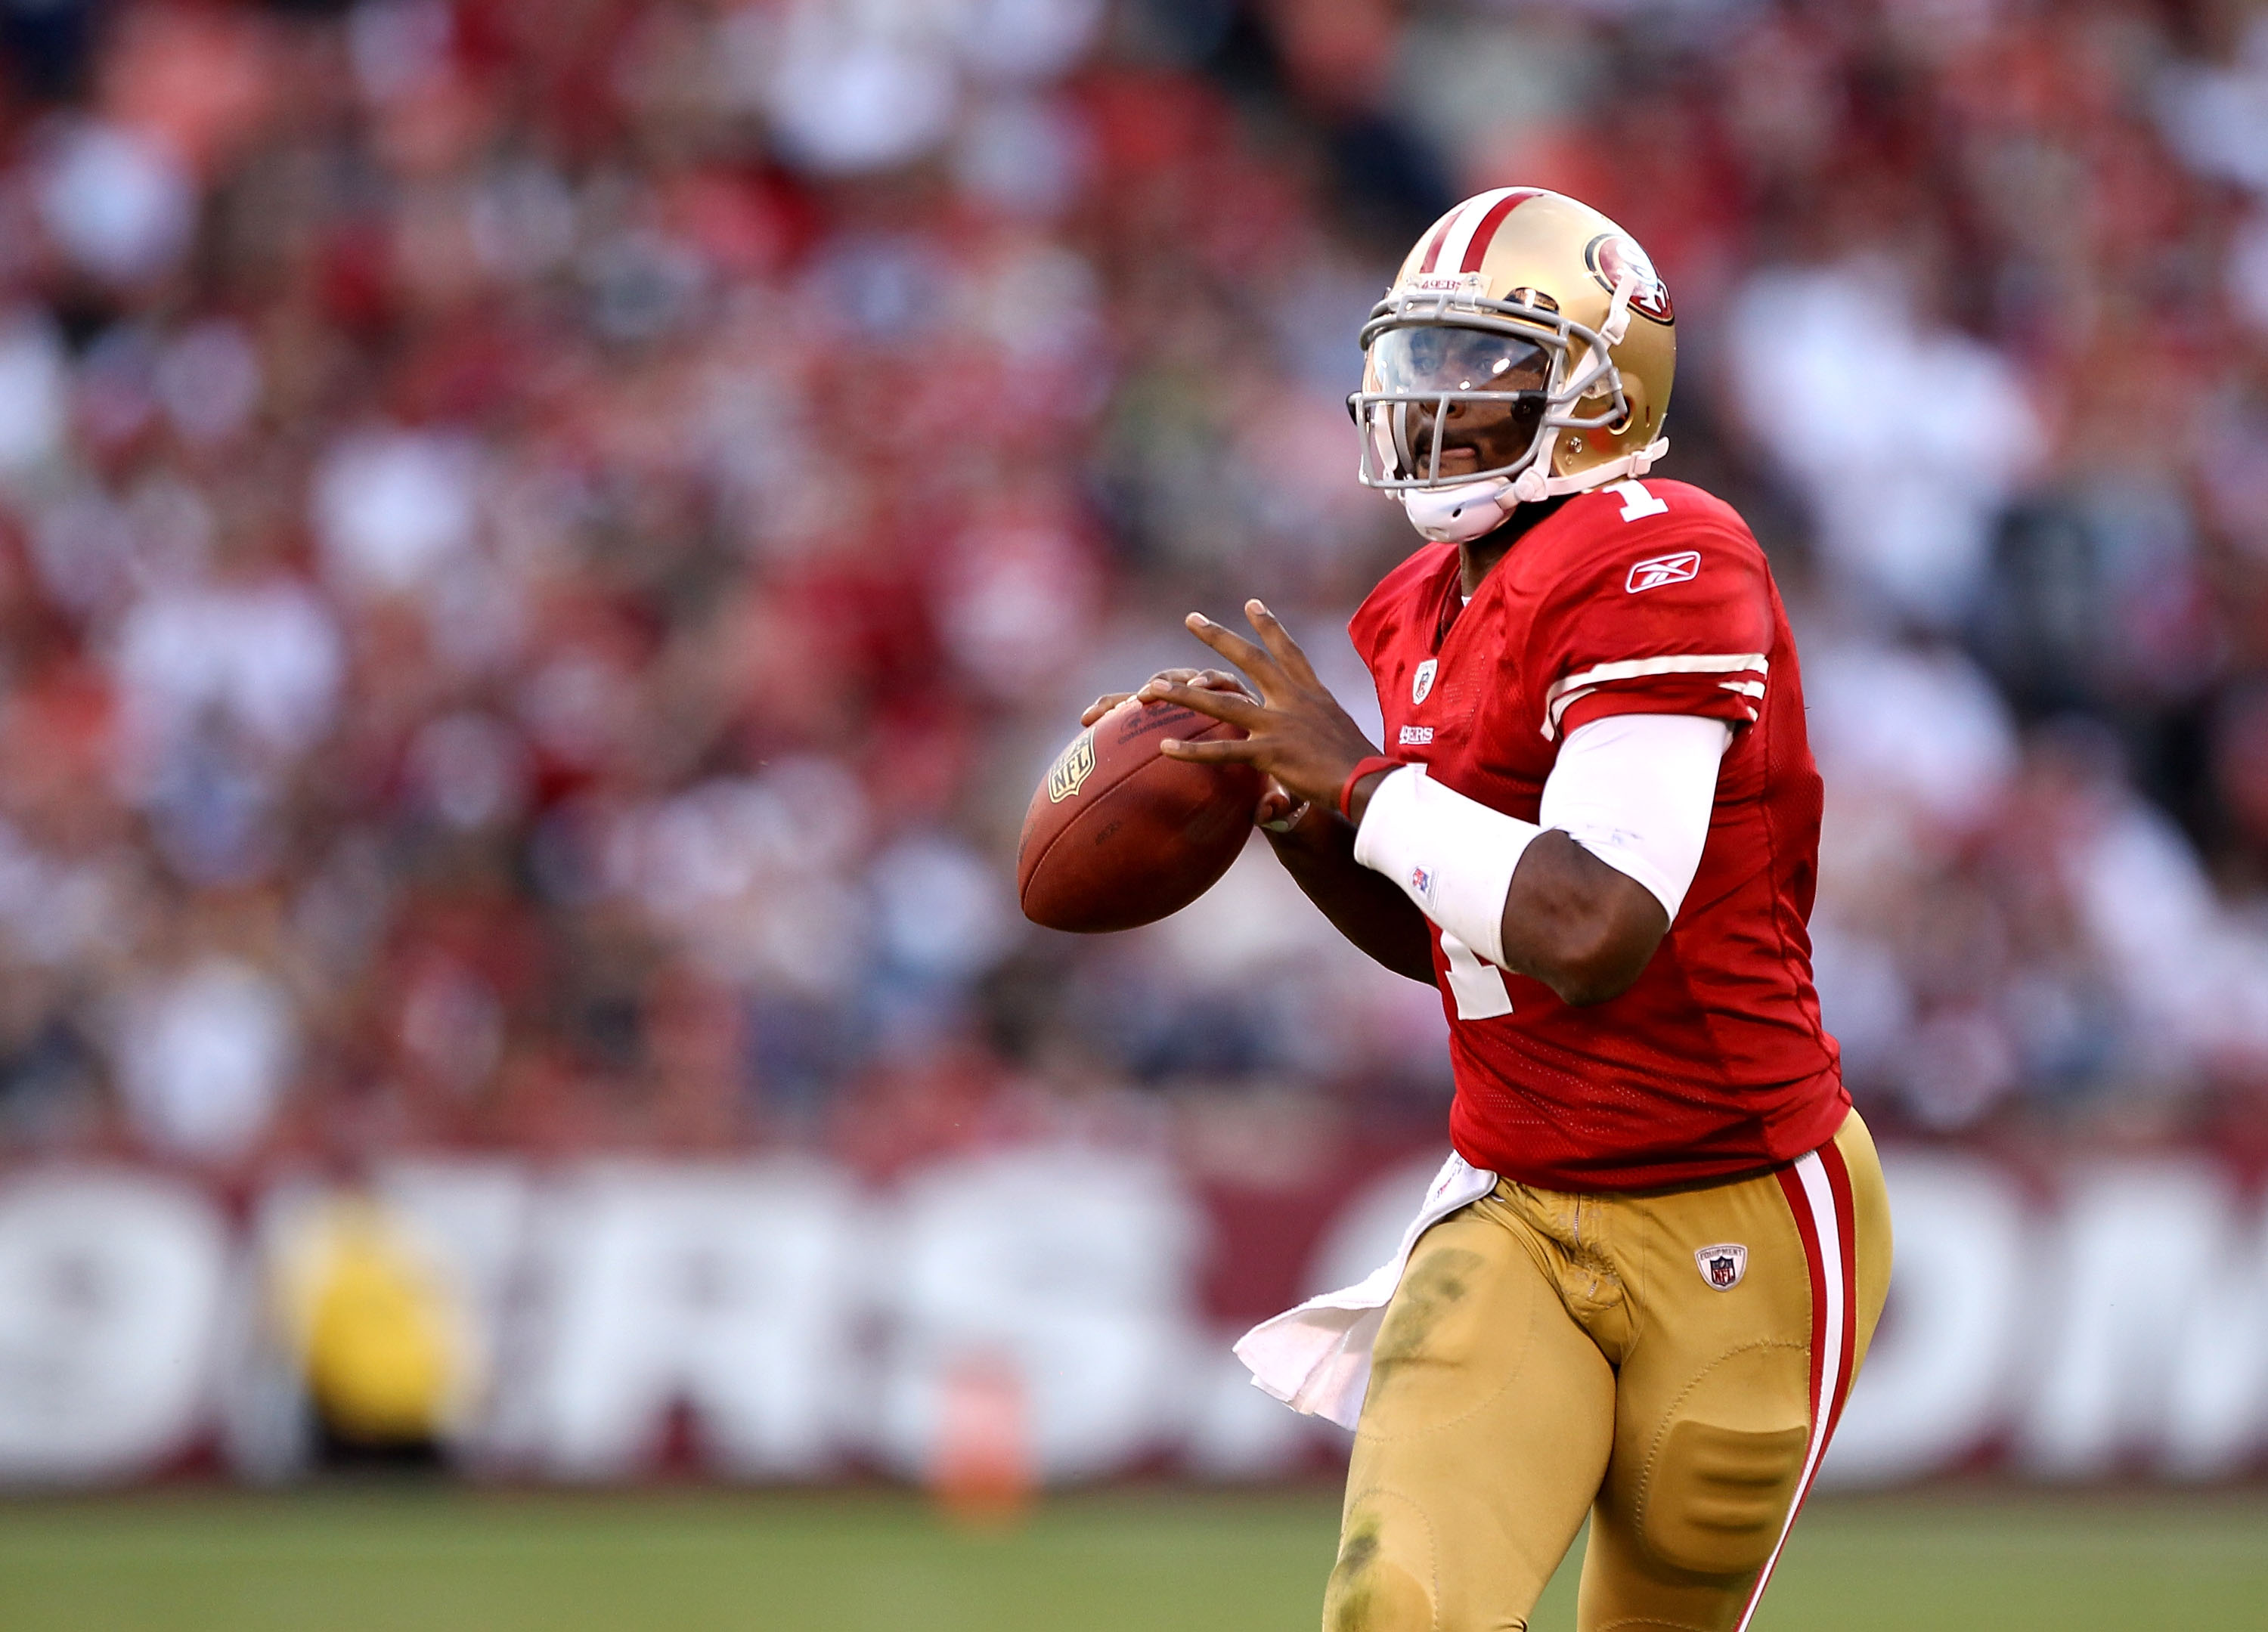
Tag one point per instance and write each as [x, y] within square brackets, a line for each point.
[1722, 1266]
[1074, 767]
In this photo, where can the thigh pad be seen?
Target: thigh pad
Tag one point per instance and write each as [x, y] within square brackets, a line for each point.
[1724, 1463]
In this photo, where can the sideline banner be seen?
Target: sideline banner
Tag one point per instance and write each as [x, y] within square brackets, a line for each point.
[776, 1319]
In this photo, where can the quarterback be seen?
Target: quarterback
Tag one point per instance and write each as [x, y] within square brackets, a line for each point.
[1643, 1282]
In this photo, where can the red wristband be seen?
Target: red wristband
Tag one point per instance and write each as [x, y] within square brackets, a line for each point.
[1370, 766]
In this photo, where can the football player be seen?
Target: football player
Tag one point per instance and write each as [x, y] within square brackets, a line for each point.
[1642, 1285]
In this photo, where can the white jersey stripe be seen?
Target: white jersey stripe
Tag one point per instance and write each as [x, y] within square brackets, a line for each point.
[1575, 688]
[1460, 238]
[1827, 1341]
[1683, 663]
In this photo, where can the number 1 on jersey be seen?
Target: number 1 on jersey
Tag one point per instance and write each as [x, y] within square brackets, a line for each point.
[1478, 987]
[1638, 503]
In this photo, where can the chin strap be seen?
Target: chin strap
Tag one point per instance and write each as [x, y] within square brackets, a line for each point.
[1631, 465]
[1617, 323]
[1536, 483]
[1460, 514]
[1533, 485]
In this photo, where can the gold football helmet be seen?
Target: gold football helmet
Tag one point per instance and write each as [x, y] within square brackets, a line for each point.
[1525, 351]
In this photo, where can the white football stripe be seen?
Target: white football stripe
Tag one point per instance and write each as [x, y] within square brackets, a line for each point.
[1574, 688]
[1461, 230]
[1630, 668]
[1827, 1333]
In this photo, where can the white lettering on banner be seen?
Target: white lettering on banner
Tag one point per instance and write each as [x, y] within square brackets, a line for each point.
[109, 1284]
[1368, 1228]
[726, 1287]
[1235, 1432]
[1075, 1268]
[1933, 1384]
[476, 1217]
[2120, 1321]
[2143, 1272]
[2218, 1419]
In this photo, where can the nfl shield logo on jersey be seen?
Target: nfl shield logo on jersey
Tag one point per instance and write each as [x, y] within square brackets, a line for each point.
[1722, 1266]
[1422, 682]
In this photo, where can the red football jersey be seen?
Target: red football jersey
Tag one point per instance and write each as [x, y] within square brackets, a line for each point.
[1644, 597]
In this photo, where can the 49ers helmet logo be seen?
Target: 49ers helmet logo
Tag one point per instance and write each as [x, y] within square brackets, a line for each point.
[1611, 256]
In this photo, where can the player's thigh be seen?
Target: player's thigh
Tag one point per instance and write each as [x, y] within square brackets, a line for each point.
[1483, 1440]
[1716, 1427]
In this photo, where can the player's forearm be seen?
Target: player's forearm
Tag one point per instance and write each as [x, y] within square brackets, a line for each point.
[1365, 908]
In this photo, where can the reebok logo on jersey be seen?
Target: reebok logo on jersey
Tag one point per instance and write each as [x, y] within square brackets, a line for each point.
[1417, 736]
[1723, 1266]
[1662, 569]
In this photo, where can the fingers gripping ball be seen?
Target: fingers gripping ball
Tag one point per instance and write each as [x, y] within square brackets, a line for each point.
[1119, 836]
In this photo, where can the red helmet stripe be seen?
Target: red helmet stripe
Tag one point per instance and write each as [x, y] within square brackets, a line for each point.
[1484, 232]
[1450, 254]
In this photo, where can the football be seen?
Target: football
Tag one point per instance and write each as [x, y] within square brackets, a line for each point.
[1118, 834]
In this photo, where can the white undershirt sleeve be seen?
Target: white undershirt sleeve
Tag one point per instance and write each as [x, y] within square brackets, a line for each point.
[1636, 791]
[1453, 857]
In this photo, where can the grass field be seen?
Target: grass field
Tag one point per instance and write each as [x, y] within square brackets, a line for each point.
[376, 1559]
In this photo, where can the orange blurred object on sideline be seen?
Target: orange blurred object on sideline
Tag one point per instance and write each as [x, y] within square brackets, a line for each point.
[981, 1470]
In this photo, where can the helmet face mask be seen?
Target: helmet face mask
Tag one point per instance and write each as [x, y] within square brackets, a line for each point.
[1525, 351]
[1457, 403]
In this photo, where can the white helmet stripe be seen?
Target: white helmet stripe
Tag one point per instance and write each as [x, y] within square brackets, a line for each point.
[1429, 247]
[1451, 255]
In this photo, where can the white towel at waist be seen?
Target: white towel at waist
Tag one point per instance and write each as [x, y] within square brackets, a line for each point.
[1316, 1358]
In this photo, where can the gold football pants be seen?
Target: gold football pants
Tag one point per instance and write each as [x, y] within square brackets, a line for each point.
[1671, 1362]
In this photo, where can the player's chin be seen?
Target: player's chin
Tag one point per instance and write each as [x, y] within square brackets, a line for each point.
[1459, 464]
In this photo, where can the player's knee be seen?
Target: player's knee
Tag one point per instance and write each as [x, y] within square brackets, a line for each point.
[1369, 1591]
[1720, 1496]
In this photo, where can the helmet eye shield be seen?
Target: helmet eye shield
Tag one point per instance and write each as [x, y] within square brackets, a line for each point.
[1428, 358]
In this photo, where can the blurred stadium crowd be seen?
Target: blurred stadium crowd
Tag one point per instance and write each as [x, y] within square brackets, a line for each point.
[542, 547]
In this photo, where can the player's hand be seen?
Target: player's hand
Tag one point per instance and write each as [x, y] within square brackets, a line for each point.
[1294, 730]
[1212, 680]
